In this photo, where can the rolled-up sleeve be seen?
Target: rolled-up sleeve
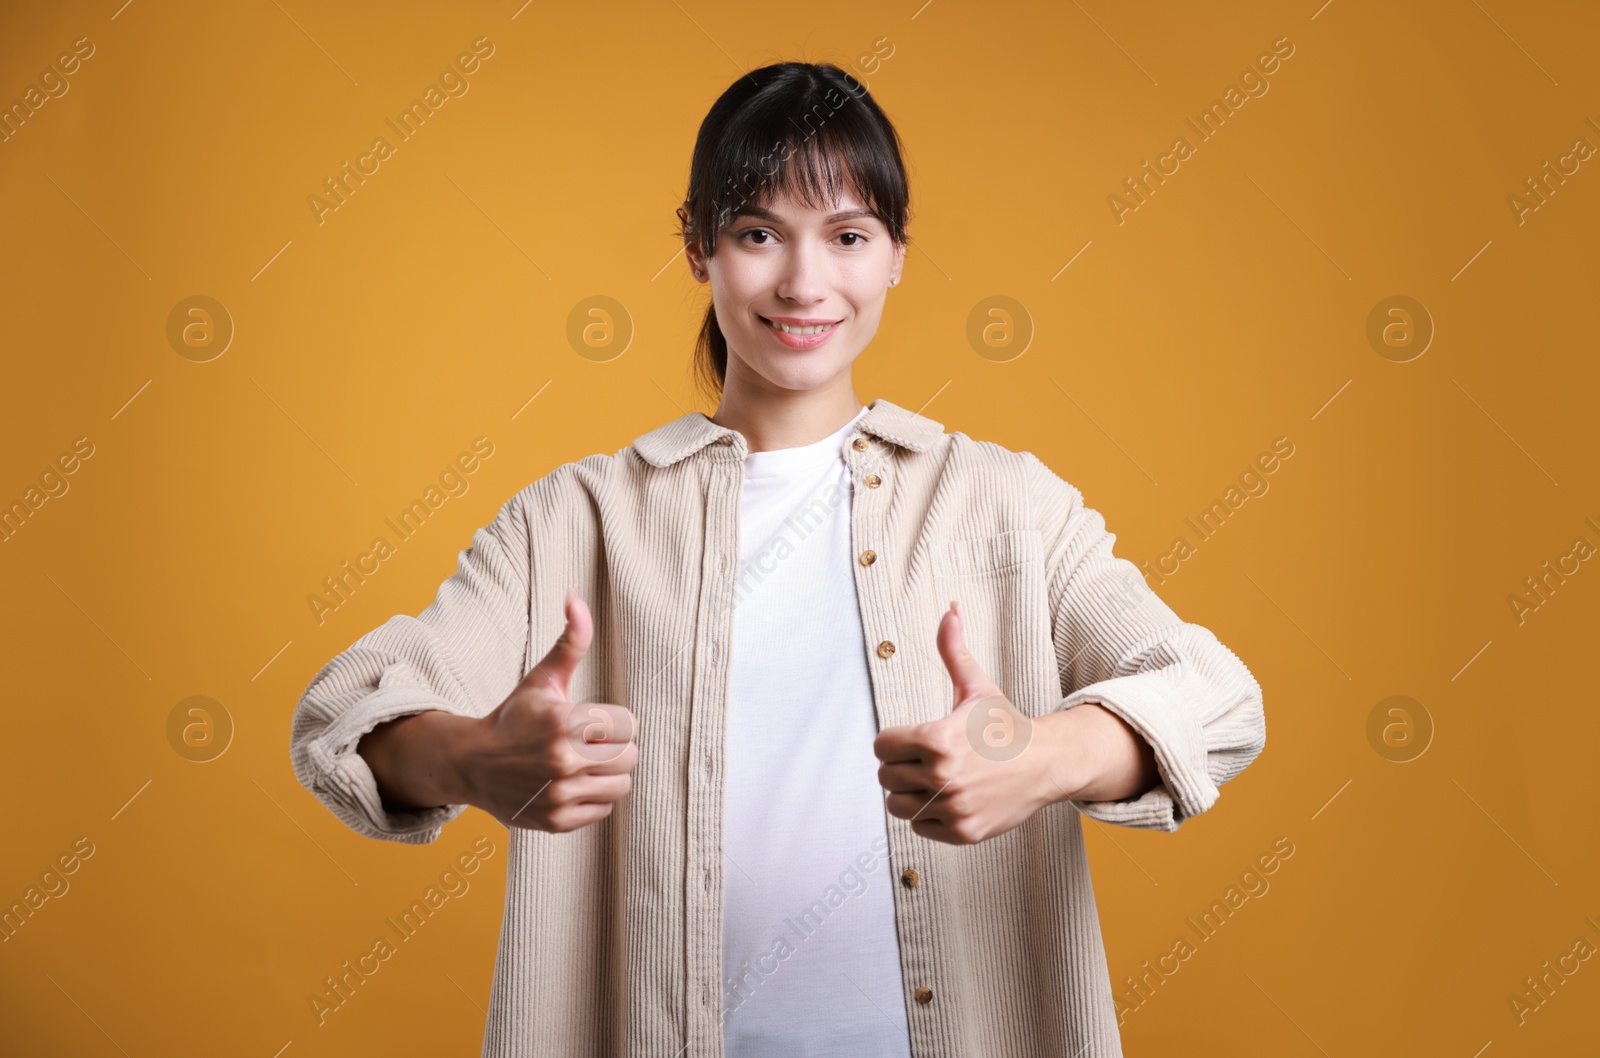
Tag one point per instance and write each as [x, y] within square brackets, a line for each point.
[463, 654]
[1119, 645]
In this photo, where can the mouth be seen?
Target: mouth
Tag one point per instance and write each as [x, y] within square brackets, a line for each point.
[801, 335]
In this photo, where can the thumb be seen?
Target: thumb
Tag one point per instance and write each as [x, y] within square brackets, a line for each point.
[556, 668]
[966, 674]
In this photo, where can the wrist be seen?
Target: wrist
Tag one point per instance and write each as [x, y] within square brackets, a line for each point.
[1067, 759]
[1099, 757]
[458, 739]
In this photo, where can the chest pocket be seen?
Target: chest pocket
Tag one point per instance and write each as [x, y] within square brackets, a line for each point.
[1000, 582]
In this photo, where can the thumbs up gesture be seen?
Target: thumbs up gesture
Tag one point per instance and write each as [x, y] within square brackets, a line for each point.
[978, 772]
[544, 762]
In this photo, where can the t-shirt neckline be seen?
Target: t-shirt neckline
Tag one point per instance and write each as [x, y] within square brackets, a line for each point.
[779, 462]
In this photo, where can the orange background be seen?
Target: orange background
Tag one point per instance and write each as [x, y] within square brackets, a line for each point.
[1228, 311]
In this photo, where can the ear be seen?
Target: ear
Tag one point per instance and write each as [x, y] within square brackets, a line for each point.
[899, 262]
[697, 262]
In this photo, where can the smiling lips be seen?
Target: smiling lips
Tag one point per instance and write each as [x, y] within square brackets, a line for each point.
[798, 333]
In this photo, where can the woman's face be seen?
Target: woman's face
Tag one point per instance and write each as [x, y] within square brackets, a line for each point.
[803, 268]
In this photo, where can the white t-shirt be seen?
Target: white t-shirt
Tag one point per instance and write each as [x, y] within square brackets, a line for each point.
[810, 956]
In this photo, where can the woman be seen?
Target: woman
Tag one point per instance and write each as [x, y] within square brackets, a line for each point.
[807, 778]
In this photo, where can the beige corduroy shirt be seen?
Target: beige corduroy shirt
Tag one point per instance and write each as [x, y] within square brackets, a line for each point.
[610, 943]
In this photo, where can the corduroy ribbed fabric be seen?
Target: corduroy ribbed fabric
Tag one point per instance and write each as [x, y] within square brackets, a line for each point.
[610, 943]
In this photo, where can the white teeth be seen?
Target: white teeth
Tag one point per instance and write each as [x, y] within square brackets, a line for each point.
[787, 329]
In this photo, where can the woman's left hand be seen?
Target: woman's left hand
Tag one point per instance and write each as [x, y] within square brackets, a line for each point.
[985, 768]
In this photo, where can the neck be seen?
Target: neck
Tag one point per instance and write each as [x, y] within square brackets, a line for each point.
[774, 419]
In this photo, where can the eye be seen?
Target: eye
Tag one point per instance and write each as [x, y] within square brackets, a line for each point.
[753, 231]
[862, 239]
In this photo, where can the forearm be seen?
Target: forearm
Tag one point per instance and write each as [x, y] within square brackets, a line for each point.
[1093, 755]
[417, 759]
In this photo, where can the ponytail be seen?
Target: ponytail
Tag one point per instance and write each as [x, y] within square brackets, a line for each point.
[711, 356]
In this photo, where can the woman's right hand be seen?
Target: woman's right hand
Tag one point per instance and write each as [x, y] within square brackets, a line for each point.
[542, 762]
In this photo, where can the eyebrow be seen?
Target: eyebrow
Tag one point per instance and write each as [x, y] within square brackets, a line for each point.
[772, 218]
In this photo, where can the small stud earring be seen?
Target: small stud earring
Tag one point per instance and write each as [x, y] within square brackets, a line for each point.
[895, 281]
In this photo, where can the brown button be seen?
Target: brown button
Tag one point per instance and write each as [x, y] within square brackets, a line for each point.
[873, 481]
[886, 649]
[868, 557]
[909, 877]
[924, 995]
[859, 444]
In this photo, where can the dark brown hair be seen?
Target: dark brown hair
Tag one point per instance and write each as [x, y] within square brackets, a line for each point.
[809, 129]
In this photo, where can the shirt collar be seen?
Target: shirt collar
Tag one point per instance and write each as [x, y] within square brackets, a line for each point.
[688, 434]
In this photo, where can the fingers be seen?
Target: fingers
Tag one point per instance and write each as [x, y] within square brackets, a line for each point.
[590, 789]
[906, 778]
[606, 758]
[556, 668]
[966, 674]
[910, 742]
[603, 735]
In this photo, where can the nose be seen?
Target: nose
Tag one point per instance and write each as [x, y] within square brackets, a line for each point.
[802, 280]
